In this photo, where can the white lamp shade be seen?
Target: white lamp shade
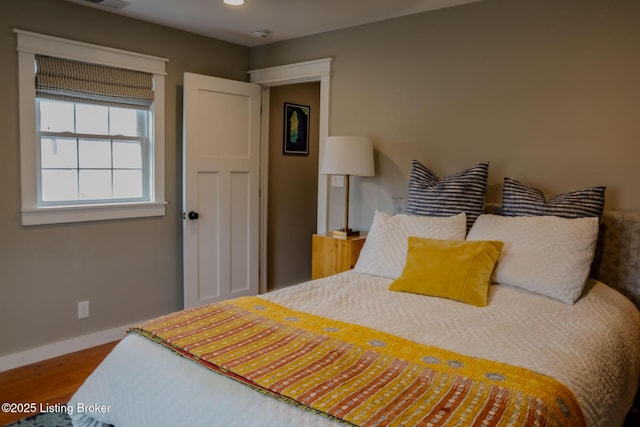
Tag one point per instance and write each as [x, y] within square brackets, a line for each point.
[347, 155]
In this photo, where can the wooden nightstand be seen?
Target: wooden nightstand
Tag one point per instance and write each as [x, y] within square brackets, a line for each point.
[332, 256]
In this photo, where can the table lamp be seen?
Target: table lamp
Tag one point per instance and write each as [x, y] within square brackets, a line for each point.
[347, 155]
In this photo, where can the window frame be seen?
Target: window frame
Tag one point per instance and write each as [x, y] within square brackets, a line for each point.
[30, 44]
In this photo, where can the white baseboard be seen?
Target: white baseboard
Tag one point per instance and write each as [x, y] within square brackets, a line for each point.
[59, 348]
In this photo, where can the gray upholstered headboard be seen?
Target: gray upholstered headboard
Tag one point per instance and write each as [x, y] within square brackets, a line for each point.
[617, 260]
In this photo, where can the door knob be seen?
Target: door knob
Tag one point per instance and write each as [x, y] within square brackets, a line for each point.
[193, 215]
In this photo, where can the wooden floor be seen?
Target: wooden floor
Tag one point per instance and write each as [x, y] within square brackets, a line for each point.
[52, 381]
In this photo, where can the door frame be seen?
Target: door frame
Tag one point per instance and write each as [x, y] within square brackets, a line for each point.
[310, 71]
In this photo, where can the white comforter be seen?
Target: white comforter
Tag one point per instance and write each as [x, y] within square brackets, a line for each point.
[593, 347]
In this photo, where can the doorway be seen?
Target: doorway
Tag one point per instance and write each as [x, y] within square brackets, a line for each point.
[318, 70]
[292, 190]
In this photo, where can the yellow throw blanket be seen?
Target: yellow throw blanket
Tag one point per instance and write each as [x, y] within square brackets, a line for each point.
[360, 375]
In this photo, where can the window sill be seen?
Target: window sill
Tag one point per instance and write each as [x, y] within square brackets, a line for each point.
[65, 214]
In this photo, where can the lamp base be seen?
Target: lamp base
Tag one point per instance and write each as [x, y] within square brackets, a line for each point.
[342, 234]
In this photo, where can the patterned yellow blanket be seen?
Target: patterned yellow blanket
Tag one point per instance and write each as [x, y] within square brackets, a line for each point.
[359, 375]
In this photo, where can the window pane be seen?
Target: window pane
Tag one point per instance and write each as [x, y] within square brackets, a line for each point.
[95, 184]
[92, 119]
[123, 121]
[56, 116]
[58, 153]
[95, 153]
[127, 184]
[58, 185]
[127, 154]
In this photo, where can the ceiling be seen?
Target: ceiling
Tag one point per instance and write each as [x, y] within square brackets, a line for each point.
[282, 19]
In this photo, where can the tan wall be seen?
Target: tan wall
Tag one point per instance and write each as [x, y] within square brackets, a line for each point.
[293, 190]
[130, 270]
[547, 91]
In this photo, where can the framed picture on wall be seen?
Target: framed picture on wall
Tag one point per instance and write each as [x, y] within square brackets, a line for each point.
[296, 129]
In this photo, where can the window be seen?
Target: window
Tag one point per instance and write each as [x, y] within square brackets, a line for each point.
[91, 122]
[91, 153]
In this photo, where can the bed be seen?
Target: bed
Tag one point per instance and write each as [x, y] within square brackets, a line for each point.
[572, 358]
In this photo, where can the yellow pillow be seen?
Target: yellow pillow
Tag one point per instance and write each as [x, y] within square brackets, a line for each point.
[458, 270]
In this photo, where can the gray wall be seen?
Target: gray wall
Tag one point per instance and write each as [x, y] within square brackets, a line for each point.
[547, 91]
[293, 190]
[130, 270]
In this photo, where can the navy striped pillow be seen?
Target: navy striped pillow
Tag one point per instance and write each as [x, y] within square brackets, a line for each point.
[524, 200]
[431, 195]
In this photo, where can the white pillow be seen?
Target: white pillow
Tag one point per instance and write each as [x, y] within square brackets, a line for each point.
[385, 250]
[547, 255]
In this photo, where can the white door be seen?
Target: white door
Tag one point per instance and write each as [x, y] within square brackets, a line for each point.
[221, 189]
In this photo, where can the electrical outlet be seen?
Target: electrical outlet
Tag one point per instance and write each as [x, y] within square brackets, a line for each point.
[337, 180]
[83, 309]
